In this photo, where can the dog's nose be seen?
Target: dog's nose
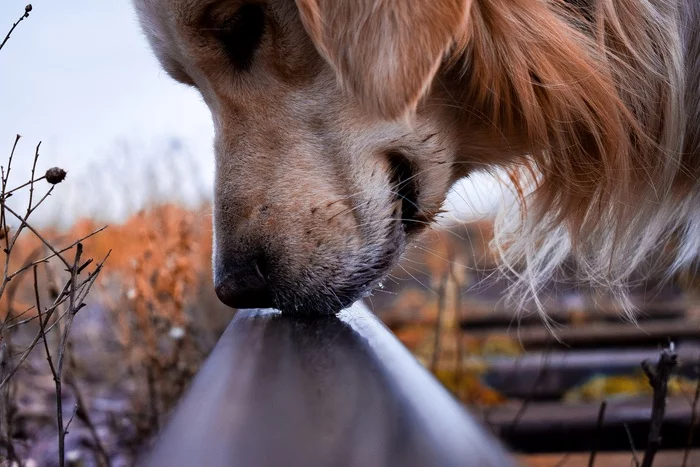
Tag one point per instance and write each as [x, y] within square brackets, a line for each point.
[242, 283]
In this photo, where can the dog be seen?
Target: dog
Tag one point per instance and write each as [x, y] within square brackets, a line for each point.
[340, 126]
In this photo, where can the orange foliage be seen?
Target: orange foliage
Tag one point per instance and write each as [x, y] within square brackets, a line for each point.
[160, 260]
[168, 225]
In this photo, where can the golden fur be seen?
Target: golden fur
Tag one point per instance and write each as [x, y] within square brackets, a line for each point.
[591, 106]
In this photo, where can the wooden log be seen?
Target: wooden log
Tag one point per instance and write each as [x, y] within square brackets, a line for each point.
[338, 390]
[599, 335]
[551, 374]
[556, 427]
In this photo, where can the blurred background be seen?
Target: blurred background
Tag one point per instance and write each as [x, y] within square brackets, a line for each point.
[79, 78]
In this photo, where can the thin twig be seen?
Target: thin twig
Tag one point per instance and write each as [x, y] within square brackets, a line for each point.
[9, 243]
[43, 198]
[52, 255]
[442, 291]
[56, 376]
[71, 304]
[9, 193]
[23, 221]
[658, 377]
[27, 9]
[633, 449]
[70, 420]
[31, 182]
[14, 319]
[563, 460]
[5, 176]
[459, 370]
[10, 316]
[599, 433]
[531, 395]
[42, 323]
[83, 414]
[7, 408]
[72, 311]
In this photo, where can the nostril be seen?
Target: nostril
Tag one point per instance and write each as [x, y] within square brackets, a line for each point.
[403, 180]
[243, 281]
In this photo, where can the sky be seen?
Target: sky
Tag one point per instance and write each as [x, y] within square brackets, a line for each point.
[79, 77]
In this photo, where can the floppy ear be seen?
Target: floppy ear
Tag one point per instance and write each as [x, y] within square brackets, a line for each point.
[384, 52]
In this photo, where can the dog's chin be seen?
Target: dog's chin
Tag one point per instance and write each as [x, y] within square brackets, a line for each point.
[322, 304]
[337, 289]
[326, 300]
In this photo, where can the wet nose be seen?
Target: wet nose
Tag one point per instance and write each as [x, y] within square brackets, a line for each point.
[241, 281]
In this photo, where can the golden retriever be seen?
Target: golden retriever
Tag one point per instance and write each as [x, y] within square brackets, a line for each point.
[342, 124]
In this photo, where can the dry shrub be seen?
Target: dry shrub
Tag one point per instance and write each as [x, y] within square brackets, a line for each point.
[44, 284]
[152, 318]
[157, 338]
[161, 302]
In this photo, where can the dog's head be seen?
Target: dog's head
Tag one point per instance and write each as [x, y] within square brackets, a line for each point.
[341, 125]
[331, 152]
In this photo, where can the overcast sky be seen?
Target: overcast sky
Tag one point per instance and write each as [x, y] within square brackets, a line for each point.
[78, 76]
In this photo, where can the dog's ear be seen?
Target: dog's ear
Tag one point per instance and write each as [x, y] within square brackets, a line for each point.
[386, 52]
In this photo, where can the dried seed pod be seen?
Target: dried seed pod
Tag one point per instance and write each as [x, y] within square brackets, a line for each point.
[55, 175]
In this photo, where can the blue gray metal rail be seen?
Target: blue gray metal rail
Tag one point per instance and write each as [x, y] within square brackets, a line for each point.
[282, 390]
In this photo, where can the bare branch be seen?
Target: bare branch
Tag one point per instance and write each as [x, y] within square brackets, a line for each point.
[599, 431]
[38, 235]
[70, 420]
[658, 376]
[27, 9]
[56, 375]
[52, 255]
[84, 415]
[31, 182]
[3, 219]
[633, 450]
[84, 287]
[10, 192]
